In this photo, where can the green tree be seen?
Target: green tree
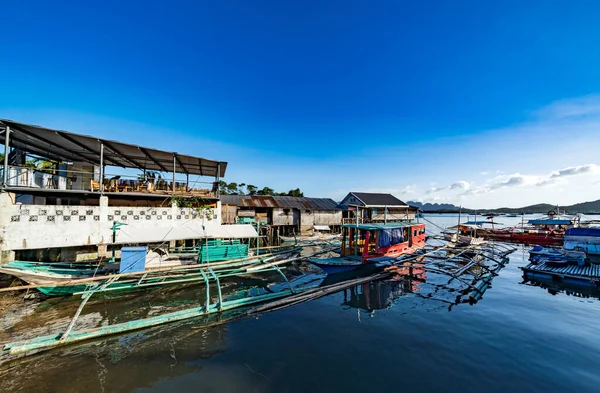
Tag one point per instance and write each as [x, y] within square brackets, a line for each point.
[232, 188]
[295, 193]
[266, 191]
[242, 190]
[223, 187]
[252, 189]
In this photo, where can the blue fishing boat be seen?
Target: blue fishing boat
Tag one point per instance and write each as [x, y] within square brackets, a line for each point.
[373, 244]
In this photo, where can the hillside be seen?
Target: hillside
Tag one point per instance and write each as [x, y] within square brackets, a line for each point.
[584, 207]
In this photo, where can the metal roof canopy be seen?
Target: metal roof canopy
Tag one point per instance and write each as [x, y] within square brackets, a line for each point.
[65, 146]
[282, 202]
[379, 227]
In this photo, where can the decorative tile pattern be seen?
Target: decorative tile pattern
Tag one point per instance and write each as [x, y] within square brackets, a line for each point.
[92, 214]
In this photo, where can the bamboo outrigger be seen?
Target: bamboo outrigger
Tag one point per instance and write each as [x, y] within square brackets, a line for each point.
[465, 272]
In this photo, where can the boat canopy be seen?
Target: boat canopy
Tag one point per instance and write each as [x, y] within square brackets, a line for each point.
[550, 221]
[480, 223]
[465, 225]
[379, 227]
[583, 232]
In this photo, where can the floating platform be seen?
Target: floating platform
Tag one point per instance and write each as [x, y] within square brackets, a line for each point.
[581, 274]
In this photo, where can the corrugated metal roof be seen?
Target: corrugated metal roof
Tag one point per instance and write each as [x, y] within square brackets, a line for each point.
[66, 146]
[282, 202]
[378, 199]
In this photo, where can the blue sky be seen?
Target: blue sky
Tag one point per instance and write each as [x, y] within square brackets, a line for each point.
[466, 102]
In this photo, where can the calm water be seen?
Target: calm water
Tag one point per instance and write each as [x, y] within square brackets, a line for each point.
[520, 337]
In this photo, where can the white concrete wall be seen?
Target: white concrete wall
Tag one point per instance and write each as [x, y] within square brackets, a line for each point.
[25, 227]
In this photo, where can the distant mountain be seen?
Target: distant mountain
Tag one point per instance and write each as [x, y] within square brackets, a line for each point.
[585, 207]
[434, 207]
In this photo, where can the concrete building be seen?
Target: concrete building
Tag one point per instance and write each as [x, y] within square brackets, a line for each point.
[69, 205]
[286, 215]
[376, 207]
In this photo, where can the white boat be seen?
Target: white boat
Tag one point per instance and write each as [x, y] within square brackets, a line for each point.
[463, 234]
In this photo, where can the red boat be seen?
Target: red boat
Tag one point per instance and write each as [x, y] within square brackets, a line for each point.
[545, 231]
[515, 235]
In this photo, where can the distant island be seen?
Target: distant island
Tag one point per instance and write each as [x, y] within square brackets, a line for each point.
[584, 208]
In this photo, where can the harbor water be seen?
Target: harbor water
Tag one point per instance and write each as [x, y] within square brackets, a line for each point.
[379, 337]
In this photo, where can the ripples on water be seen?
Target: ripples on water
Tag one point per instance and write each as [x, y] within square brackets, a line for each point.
[521, 337]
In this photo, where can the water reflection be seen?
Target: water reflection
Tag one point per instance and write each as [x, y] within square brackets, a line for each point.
[553, 287]
[376, 295]
[122, 363]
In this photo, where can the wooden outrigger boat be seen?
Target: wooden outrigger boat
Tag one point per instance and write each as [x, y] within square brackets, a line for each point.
[373, 244]
[546, 231]
[464, 234]
[64, 279]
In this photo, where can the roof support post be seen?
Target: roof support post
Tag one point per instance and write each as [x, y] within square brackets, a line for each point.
[101, 186]
[6, 151]
[218, 180]
[174, 169]
[385, 215]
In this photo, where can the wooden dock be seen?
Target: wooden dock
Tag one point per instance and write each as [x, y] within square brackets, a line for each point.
[589, 273]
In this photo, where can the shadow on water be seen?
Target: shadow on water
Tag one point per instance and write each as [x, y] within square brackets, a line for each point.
[554, 287]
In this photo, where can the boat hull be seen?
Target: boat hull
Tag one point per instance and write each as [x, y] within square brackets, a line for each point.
[337, 265]
[542, 239]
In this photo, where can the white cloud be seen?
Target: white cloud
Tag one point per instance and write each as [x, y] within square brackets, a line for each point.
[516, 180]
[571, 109]
[505, 183]
[547, 182]
[459, 185]
[576, 170]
